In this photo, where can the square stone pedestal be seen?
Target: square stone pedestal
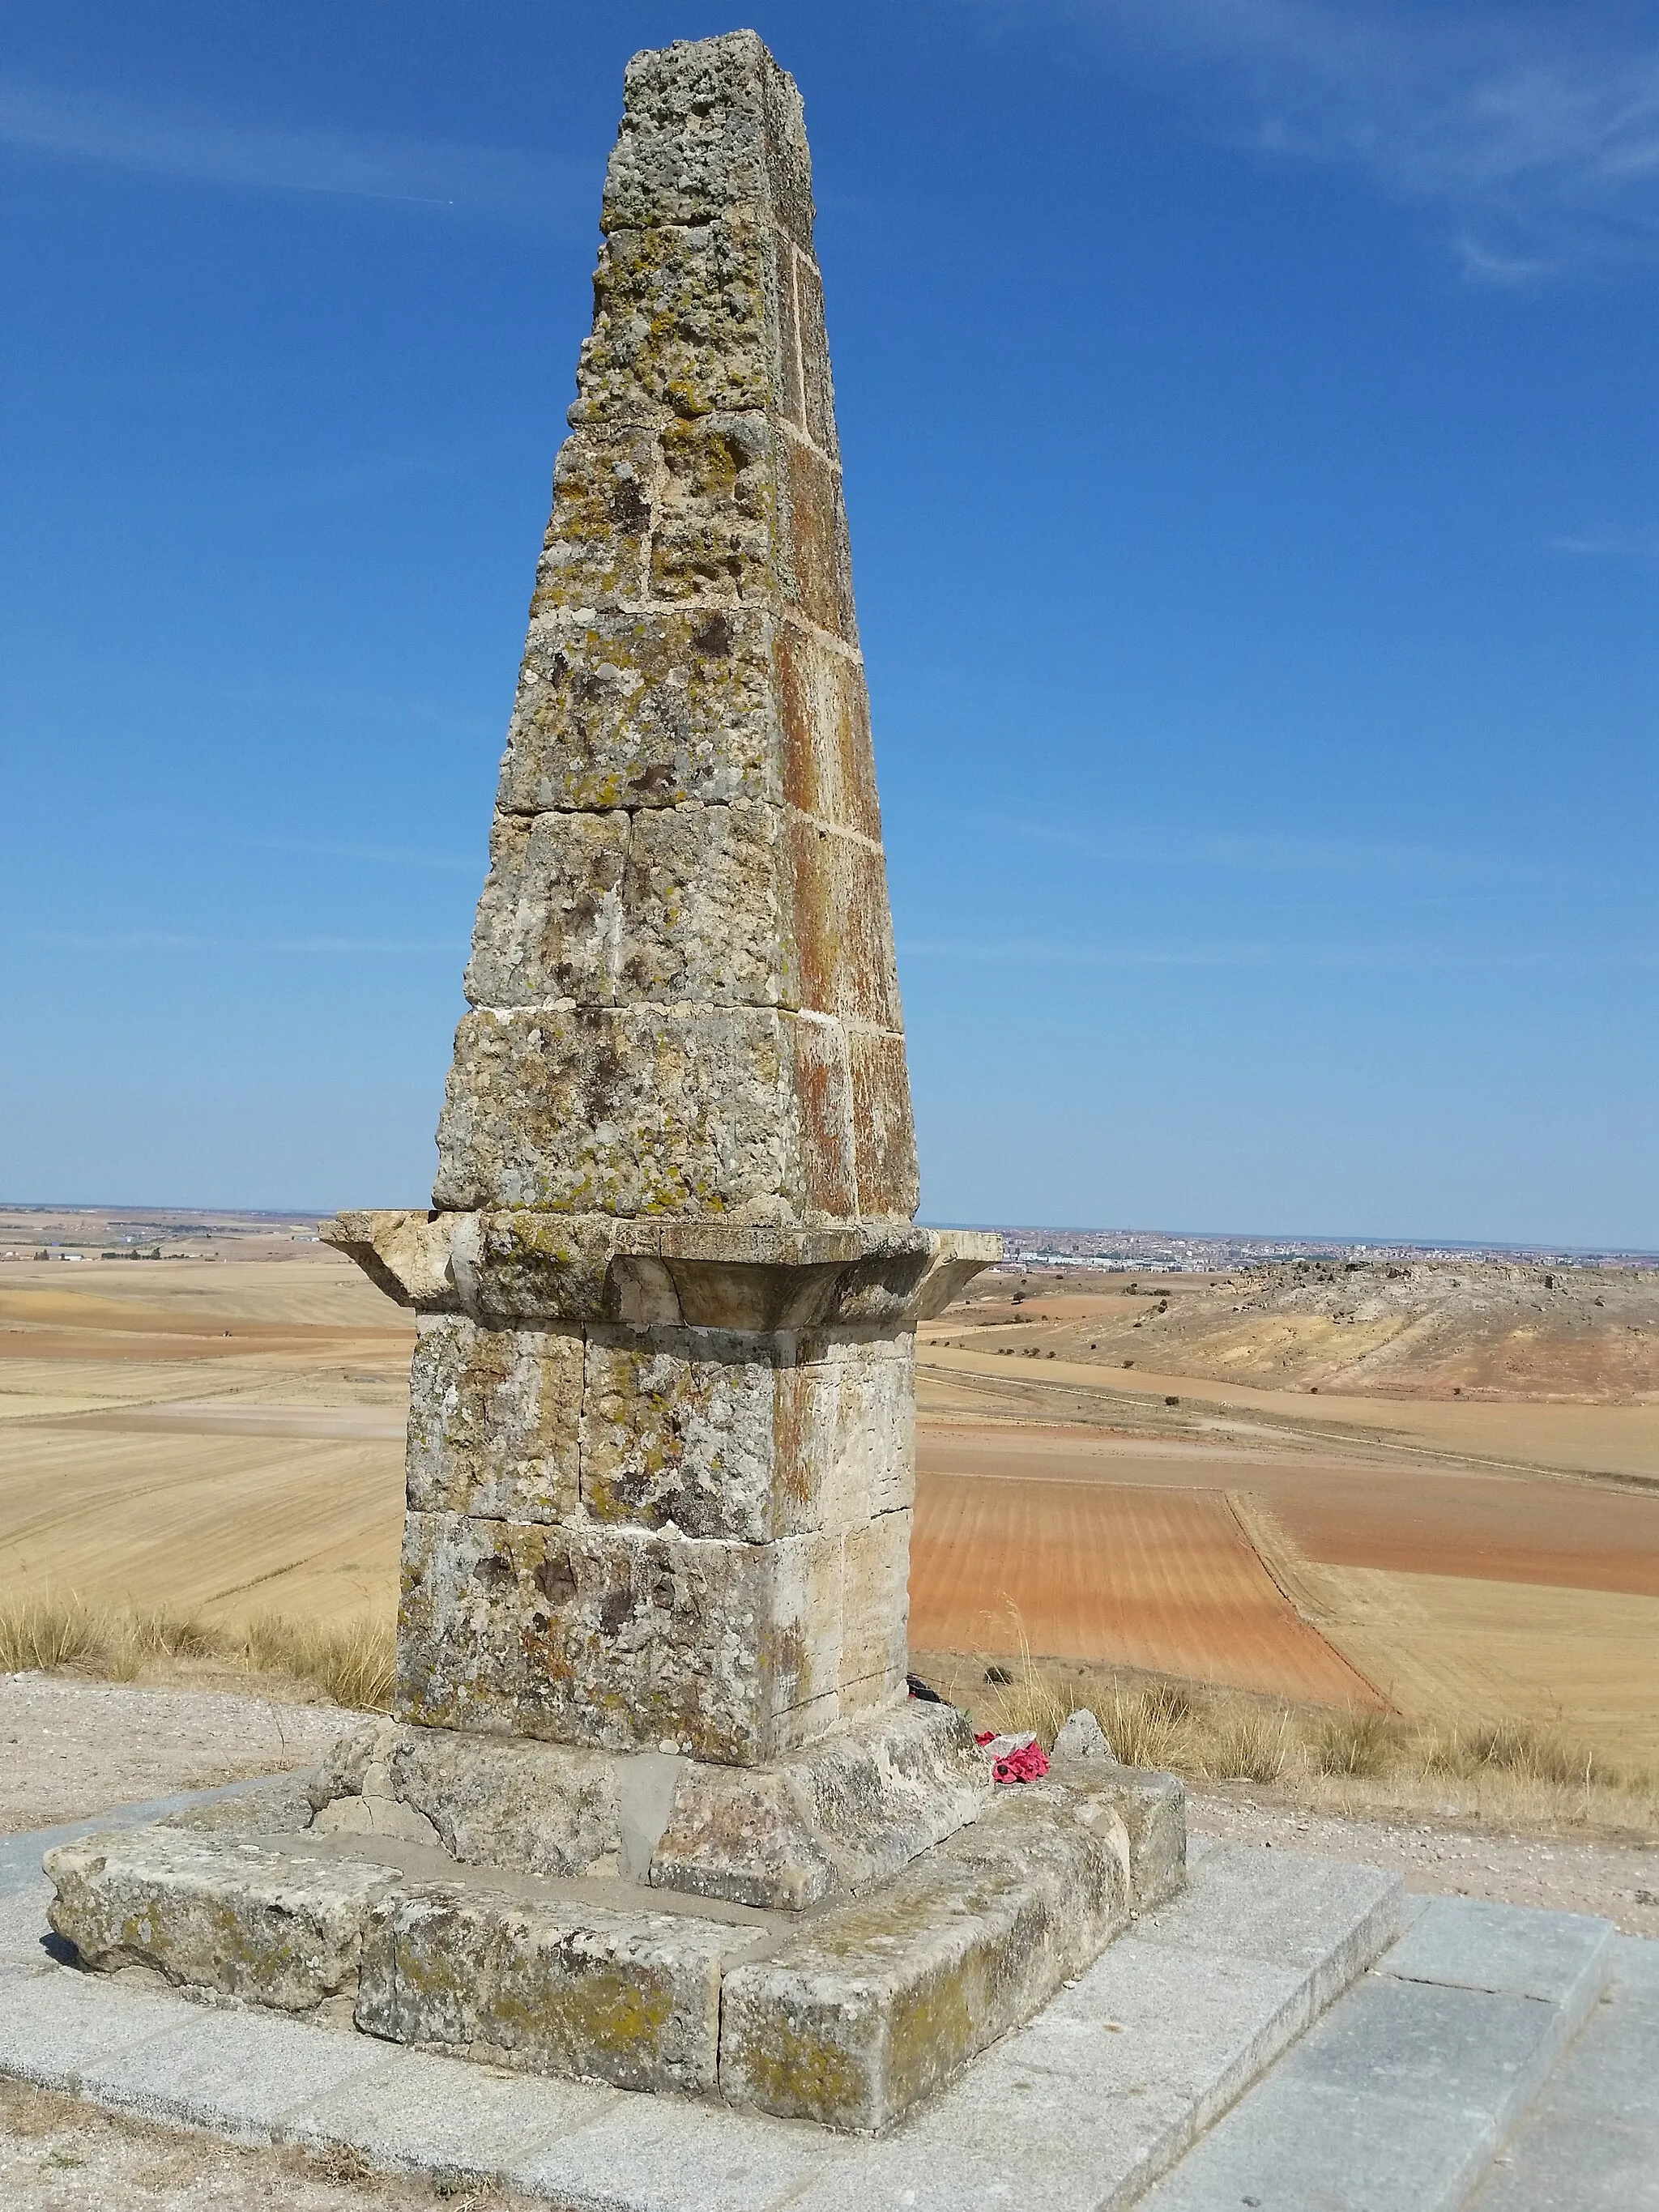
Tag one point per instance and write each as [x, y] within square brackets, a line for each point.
[845, 2011]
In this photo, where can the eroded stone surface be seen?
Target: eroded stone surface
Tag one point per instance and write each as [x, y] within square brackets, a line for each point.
[724, 1434]
[494, 1421]
[633, 1999]
[880, 2002]
[836, 1821]
[622, 1637]
[522, 1267]
[1153, 1807]
[688, 813]
[223, 1916]
[546, 1809]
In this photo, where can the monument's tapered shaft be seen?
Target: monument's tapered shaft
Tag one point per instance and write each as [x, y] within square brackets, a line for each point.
[683, 978]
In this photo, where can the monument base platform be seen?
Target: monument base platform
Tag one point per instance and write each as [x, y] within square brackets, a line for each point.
[846, 2013]
[833, 1820]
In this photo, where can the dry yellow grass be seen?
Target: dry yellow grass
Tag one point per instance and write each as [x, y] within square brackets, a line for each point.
[1507, 1775]
[351, 1661]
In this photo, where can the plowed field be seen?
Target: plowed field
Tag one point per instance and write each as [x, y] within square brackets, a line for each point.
[1160, 1578]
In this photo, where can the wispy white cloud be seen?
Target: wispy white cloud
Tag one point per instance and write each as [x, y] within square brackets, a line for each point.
[1534, 135]
[1609, 544]
[175, 140]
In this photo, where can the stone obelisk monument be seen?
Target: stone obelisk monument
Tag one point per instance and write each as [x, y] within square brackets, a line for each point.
[655, 1804]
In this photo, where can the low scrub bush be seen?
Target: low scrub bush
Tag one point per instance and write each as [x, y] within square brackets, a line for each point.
[1360, 1743]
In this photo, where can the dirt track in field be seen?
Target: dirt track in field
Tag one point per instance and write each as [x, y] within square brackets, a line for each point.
[1162, 1578]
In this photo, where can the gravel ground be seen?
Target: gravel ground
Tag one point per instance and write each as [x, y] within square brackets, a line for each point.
[59, 2156]
[69, 1748]
[1562, 1873]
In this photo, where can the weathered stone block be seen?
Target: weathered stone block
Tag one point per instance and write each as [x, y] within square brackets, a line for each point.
[824, 1093]
[880, 2002]
[816, 380]
[539, 1808]
[604, 486]
[843, 932]
[644, 1111]
[549, 924]
[624, 1638]
[1153, 1807]
[728, 1435]
[717, 511]
[680, 1425]
[706, 907]
[818, 574]
[643, 710]
[875, 1609]
[685, 323]
[884, 1131]
[846, 1429]
[842, 1817]
[705, 128]
[494, 1417]
[632, 1999]
[263, 1925]
[828, 763]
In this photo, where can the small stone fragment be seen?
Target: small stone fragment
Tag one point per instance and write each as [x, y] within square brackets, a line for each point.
[1081, 1737]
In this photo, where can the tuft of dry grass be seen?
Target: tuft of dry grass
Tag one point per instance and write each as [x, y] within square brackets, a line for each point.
[1363, 1743]
[1245, 1743]
[350, 1662]
[355, 1663]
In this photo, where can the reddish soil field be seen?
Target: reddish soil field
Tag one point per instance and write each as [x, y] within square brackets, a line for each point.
[1163, 1579]
[1360, 1511]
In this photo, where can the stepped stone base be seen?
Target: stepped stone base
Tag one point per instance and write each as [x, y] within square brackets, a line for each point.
[846, 2014]
[833, 1820]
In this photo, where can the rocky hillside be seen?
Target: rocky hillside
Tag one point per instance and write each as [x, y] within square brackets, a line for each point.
[1432, 1328]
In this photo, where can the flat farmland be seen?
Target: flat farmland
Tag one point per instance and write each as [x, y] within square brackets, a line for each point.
[217, 1437]
[1454, 1593]
[1164, 1579]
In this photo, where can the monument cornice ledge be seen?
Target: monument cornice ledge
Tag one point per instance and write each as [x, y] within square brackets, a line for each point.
[520, 1268]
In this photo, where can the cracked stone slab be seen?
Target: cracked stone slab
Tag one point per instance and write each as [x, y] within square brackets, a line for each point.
[218, 1914]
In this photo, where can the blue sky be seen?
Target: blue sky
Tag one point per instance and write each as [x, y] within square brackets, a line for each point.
[1249, 424]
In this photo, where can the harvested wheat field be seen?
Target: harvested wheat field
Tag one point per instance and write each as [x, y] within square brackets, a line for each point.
[1451, 1592]
[216, 1437]
[1165, 1579]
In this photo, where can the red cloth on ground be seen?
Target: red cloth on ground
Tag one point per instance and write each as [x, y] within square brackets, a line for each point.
[1030, 1763]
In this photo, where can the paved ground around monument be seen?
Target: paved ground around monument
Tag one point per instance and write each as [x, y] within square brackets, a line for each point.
[1489, 2049]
